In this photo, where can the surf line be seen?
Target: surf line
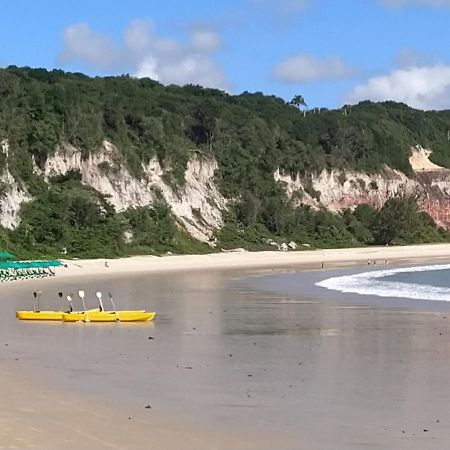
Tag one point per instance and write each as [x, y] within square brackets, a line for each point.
[377, 283]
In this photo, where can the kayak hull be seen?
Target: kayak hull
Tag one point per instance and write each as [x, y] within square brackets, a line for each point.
[42, 315]
[39, 315]
[109, 316]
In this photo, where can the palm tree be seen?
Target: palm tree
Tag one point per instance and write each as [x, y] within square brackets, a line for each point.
[299, 102]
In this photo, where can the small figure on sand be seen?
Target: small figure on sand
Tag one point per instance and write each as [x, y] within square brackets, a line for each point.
[106, 264]
[368, 262]
[322, 264]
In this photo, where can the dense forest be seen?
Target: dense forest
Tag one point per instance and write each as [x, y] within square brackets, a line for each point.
[250, 135]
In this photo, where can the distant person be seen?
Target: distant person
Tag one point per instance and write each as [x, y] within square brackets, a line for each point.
[106, 264]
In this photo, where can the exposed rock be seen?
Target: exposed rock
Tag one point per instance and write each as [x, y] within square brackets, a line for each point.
[430, 182]
[234, 250]
[12, 196]
[197, 205]
[128, 237]
[420, 161]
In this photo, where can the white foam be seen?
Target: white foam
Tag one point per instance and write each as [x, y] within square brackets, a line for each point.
[368, 283]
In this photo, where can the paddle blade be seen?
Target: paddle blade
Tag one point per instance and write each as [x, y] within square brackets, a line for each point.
[81, 294]
[98, 295]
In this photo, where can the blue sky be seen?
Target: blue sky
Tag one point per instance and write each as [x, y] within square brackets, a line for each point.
[331, 51]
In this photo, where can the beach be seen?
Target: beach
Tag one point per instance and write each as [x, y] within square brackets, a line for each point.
[311, 259]
[227, 365]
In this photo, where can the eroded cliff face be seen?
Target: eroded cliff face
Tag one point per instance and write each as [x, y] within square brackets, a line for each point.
[12, 194]
[338, 190]
[198, 205]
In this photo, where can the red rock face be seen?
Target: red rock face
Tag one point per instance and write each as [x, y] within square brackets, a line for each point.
[432, 189]
[439, 210]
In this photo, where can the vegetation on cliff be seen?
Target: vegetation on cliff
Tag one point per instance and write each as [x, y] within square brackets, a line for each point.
[250, 135]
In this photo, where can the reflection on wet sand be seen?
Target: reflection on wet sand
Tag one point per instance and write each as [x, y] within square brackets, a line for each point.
[293, 371]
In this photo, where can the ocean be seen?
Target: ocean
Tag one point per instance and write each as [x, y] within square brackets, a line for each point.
[430, 282]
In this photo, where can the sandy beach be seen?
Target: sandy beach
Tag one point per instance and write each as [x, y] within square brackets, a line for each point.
[304, 259]
[227, 368]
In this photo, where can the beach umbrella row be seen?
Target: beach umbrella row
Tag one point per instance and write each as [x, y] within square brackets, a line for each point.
[18, 270]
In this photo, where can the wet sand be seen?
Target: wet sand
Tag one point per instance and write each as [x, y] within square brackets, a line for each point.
[228, 366]
[34, 416]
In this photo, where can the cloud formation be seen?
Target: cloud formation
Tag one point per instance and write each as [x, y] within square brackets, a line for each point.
[402, 3]
[306, 68]
[83, 44]
[426, 87]
[146, 54]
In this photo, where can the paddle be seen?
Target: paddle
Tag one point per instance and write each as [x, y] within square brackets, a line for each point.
[86, 315]
[81, 295]
[60, 295]
[112, 301]
[99, 296]
[36, 306]
[69, 299]
[113, 305]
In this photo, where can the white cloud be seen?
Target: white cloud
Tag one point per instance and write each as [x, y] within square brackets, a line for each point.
[146, 54]
[83, 44]
[306, 68]
[426, 87]
[205, 40]
[401, 3]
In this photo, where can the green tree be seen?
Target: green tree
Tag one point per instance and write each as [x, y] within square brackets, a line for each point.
[298, 101]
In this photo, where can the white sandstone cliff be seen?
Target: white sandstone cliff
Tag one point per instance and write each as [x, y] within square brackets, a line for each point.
[12, 195]
[197, 205]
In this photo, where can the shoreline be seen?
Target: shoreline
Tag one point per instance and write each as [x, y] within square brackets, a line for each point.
[59, 410]
[308, 259]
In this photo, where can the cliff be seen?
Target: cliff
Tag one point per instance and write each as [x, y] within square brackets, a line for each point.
[197, 203]
[118, 165]
[337, 190]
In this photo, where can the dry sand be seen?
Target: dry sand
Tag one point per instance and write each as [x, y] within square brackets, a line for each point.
[304, 259]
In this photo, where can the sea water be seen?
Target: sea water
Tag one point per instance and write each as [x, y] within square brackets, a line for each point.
[430, 282]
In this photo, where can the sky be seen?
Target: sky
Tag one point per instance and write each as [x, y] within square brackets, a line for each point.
[333, 52]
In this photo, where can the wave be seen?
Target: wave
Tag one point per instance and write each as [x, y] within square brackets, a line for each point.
[369, 283]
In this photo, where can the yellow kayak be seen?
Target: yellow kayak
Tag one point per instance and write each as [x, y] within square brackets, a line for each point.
[109, 316]
[43, 315]
[39, 315]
